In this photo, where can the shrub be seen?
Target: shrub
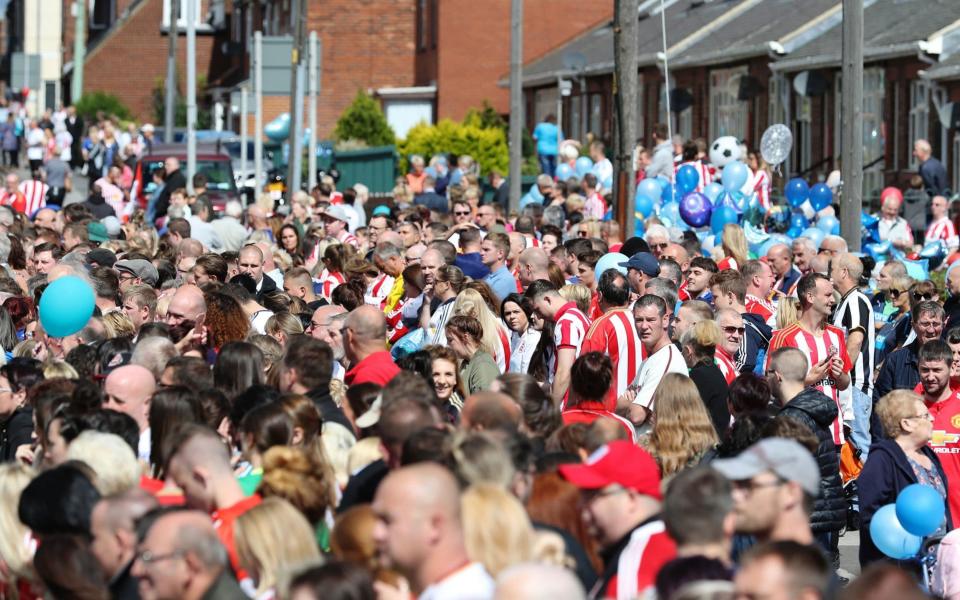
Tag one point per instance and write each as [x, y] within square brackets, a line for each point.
[93, 102]
[364, 121]
[487, 145]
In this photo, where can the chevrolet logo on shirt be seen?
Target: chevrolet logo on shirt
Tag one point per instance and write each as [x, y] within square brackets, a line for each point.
[942, 438]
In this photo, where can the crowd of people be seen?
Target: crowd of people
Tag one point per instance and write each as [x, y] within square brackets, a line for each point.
[427, 396]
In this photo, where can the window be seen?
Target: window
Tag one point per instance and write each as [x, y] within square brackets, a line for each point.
[874, 135]
[777, 111]
[596, 115]
[803, 131]
[919, 126]
[685, 123]
[956, 161]
[184, 8]
[575, 117]
[544, 103]
[102, 13]
[728, 114]
[423, 24]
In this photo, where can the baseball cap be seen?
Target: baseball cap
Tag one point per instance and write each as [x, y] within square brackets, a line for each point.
[372, 415]
[337, 212]
[787, 459]
[140, 268]
[97, 231]
[643, 262]
[113, 225]
[381, 211]
[621, 462]
[102, 257]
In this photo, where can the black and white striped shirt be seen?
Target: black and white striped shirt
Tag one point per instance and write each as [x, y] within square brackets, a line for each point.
[852, 314]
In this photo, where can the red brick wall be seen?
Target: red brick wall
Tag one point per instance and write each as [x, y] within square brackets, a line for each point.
[129, 60]
[474, 45]
[366, 45]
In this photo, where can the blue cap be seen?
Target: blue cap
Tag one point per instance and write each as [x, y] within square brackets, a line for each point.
[644, 262]
[381, 211]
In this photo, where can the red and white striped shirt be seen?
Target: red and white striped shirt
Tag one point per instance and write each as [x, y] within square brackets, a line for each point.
[396, 329]
[725, 364]
[569, 329]
[702, 170]
[14, 200]
[817, 348]
[379, 290]
[329, 282]
[615, 335]
[35, 194]
[728, 262]
[504, 351]
[942, 229]
[761, 187]
[759, 306]
[348, 238]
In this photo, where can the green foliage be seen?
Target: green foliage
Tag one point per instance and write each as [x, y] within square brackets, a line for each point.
[363, 120]
[93, 102]
[486, 116]
[158, 104]
[487, 145]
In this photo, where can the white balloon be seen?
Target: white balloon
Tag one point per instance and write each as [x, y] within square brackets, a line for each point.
[775, 144]
[725, 150]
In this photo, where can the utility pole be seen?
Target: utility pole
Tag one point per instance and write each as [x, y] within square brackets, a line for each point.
[243, 134]
[79, 49]
[191, 92]
[851, 124]
[625, 111]
[298, 16]
[258, 111]
[170, 101]
[516, 102]
[314, 78]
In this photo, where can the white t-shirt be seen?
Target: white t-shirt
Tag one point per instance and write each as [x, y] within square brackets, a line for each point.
[665, 360]
[472, 582]
[35, 141]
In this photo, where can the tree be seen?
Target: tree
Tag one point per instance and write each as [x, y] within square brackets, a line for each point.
[93, 102]
[363, 120]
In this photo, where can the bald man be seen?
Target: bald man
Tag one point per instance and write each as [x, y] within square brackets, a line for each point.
[252, 263]
[199, 464]
[187, 308]
[128, 389]
[49, 219]
[180, 557]
[430, 262]
[485, 411]
[114, 537]
[780, 258]
[534, 264]
[931, 170]
[538, 581]
[364, 345]
[419, 533]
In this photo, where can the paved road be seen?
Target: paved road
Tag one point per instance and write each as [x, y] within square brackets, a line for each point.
[849, 559]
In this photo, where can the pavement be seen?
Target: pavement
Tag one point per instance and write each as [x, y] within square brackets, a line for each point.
[849, 555]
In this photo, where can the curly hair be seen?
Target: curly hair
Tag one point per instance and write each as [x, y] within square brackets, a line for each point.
[225, 320]
[297, 476]
[682, 429]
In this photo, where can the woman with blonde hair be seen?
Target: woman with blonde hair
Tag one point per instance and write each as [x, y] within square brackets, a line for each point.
[788, 312]
[297, 476]
[496, 337]
[496, 529]
[580, 294]
[734, 247]
[282, 325]
[16, 542]
[117, 324]
[682, 432]
[272, 538]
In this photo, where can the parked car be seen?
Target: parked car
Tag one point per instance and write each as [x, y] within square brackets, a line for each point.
[212, 161]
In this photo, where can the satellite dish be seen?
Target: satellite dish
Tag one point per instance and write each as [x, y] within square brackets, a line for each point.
[574, 61]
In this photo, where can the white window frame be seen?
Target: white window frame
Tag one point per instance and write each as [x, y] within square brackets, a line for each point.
[874, 81]
[200, 22]
[919, 125]
[728, 114]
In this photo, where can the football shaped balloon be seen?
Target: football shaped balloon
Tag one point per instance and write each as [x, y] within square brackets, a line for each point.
[725, 150]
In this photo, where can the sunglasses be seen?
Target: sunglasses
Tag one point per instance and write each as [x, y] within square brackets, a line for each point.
[895, 293]
[732, 329]
[461, 213]
[918, 296]
[663, 245]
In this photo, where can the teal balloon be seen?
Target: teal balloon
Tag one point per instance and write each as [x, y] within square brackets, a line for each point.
[649, 188]
[920, 509]
[794, 232]
[278, 129]
[713, 190]
[583, 166]
[611, 260]
[66, 306]
[670, 215]
[643, 205]
[607, 183]
[797, 220]
[687, 179]
[797, 191]
[720, 217]
[565, 172]
[734, 176]
[889, 535]
[821, 196]
[829, 224]
[814, 234]
[668, 192]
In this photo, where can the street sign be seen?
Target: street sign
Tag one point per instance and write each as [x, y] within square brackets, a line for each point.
[23, 66]
[276, 65]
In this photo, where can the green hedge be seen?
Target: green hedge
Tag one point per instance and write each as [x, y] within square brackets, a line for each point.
[364, 121]
[93, 102]
[487, 145]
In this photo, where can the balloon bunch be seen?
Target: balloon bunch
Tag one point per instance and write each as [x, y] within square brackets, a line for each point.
[898, 529]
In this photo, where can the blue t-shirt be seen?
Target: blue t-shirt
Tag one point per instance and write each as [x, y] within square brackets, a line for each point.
[547, 136]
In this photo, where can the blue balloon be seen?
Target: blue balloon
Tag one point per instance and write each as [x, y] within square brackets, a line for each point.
[278, 129]
[667, 192]
[868, 220]
[583, 166]
[713, 191]
[734, 176]
[611, 260]
[643, 205]
[821, 196]
[695, 209]
[66, 306]
[649, 188]
[687, 179]
[797, 219]
[737, 201]
[829, 224]
[721, 216]
[814, 234]
[797, 191]
[528, 199]
[765, 247]
[890, 537]
[565, 172]
[670, 215]
[794, 232]
[878, 250]
[920, 509]
[607, 183]
[535, 192]
[934, 249]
